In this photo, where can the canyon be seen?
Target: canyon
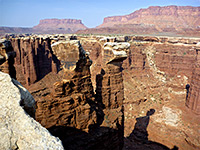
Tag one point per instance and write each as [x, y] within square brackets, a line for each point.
[103, 92]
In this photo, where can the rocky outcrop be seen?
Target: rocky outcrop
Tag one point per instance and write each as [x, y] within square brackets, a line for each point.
[193, 97]
[17, 129]
[7, 55]
[161, 55]
[59, 26]
[34, 59]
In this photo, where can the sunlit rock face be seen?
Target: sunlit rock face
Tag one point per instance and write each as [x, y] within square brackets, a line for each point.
[18, 130]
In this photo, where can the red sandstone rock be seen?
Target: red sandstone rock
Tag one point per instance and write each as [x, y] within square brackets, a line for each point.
[35, 58]
[71, 105]
[193, 99]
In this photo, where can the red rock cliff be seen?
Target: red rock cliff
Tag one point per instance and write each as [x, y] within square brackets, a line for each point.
[175, 17]
[193, 99]
[34, 59]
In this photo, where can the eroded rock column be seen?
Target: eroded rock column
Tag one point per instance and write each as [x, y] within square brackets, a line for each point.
[110, 90]
[34, 58]
[193, 99]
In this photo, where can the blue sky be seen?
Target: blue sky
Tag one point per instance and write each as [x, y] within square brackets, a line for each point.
[27, 13]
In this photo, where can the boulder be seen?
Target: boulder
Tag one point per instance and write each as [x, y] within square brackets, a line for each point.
[17, 129]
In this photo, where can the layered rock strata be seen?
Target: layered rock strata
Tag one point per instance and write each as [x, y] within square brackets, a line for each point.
[17, 129]
[168, 20]
[71, 110]
[110, 89]
[193, 97]
[70, 98]
[34, 59]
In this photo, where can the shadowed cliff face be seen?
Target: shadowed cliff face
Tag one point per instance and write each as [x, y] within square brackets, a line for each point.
[34, 59]
[7, 55]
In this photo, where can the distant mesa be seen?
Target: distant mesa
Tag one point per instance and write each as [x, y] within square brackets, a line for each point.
[49, 26]
[176, 17]
[59, 26]
[155, 19]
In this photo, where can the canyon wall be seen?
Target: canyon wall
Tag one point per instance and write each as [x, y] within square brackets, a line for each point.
[193, 97]
[7, 55]
[34, 58]
[18, 128]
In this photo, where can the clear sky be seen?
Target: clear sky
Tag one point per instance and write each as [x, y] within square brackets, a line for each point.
[27, 13]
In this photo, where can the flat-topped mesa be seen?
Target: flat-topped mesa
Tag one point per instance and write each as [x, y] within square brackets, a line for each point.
[59, 26]
[193, 99]
[7, 55]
